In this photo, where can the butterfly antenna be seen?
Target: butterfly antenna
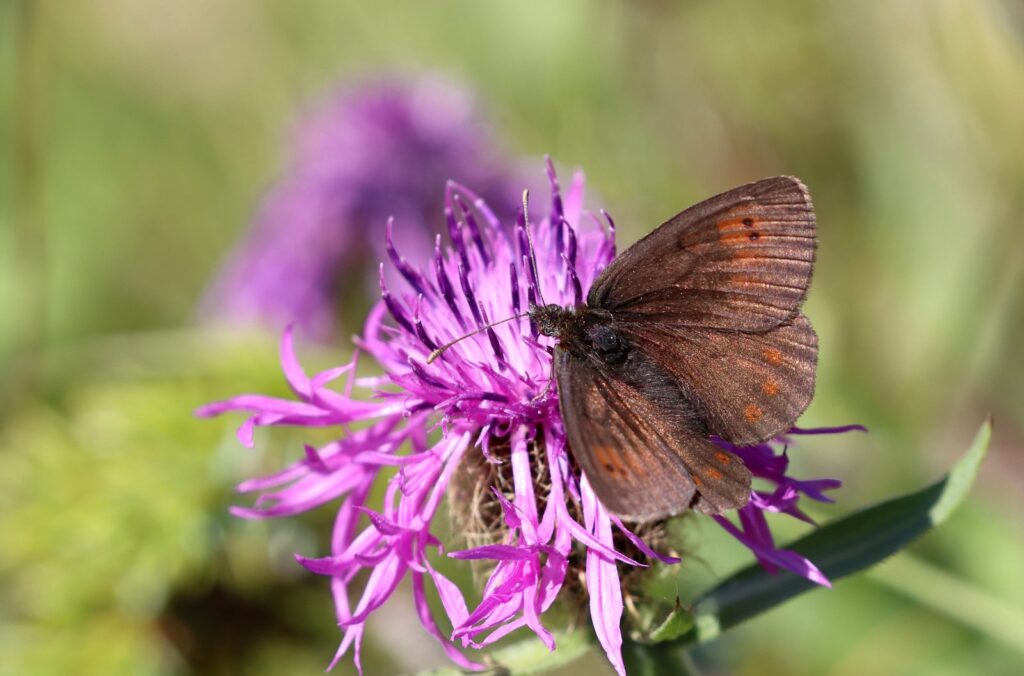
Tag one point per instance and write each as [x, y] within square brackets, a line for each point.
[441, 350]
[529, 241]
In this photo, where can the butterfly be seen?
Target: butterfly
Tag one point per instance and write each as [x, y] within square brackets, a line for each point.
[694, 331]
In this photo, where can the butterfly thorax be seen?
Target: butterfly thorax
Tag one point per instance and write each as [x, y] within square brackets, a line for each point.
[583, 332]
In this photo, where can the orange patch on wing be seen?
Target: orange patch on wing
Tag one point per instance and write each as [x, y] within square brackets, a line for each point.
[728, 224]
[738, 248]
[770, 387]
[697, 482]
[741, 246]
[737, 237]
[740, 233]
[713, 474]
[722, 457]
[752, 413]
[773, 356]
[731, 221]
[608, 459]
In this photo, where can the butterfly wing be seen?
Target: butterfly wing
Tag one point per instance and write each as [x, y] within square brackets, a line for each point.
[739, 261]
[746, 387]
[709, 303]
[642, 455]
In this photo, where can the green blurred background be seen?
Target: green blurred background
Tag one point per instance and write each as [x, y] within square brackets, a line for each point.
[138, 138]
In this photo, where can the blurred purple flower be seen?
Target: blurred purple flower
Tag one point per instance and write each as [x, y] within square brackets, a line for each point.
[491, 398]
[384, 149]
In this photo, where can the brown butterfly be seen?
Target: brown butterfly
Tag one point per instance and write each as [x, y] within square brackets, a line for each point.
[694, 331]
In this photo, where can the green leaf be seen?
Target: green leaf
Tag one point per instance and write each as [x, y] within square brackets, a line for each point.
[840, 548]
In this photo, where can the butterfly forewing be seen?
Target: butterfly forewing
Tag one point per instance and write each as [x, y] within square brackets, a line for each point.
[643, 458]
[739, 261]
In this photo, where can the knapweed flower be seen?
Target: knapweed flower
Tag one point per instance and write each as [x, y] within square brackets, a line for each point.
[379, 150]
[479, 426]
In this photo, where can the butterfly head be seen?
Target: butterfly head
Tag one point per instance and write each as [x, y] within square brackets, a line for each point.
[553, 320]
[582, 331]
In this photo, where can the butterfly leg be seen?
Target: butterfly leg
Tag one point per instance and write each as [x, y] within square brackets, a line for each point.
[551, 379]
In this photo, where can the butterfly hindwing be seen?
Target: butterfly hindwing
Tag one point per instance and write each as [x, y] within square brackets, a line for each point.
[739, 261]
[643, 458]
[746, 387]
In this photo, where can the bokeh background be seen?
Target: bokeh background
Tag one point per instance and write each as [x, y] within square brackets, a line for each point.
[139, 137]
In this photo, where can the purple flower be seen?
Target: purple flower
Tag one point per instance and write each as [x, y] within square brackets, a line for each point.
[384, 149]
[500, 458]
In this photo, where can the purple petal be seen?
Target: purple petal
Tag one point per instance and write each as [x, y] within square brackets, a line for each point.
[603, 582]
[641, 545]
[767, 554]
[827, 430]
[451, 597]
[427, 620]
[496, 552]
